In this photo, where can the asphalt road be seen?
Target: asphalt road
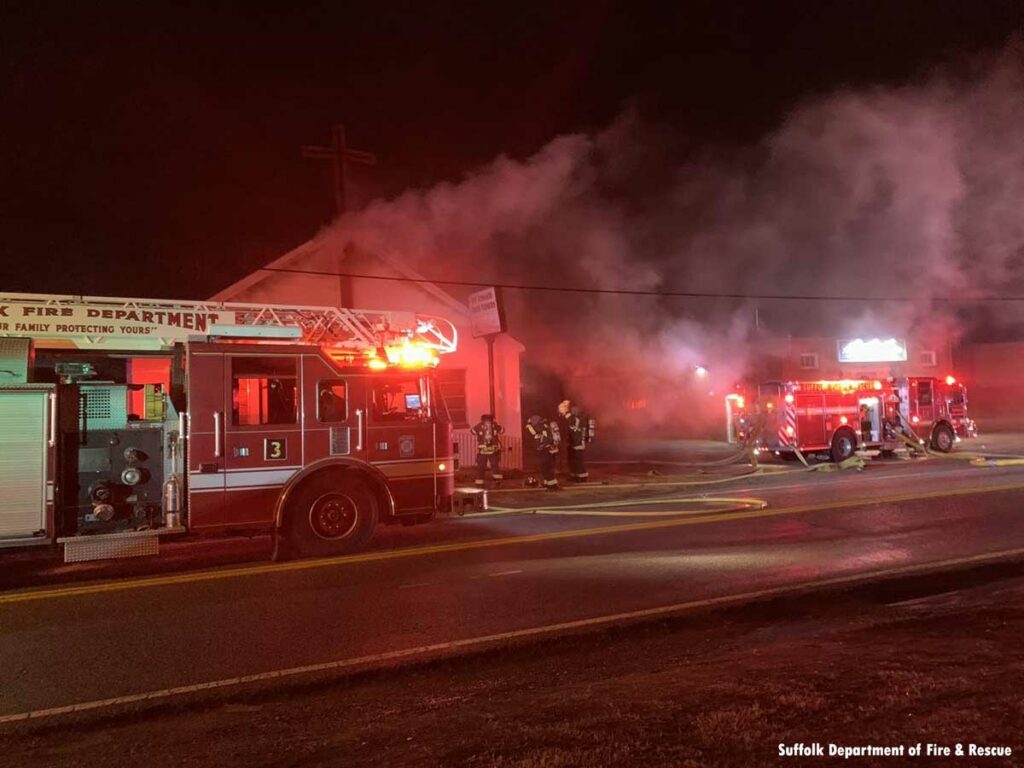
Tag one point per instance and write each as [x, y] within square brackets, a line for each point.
[511, 572]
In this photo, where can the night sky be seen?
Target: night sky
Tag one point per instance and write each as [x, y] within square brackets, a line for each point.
[156, 152]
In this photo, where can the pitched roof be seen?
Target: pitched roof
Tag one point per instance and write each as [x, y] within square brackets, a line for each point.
[329, 244]
[320, 244]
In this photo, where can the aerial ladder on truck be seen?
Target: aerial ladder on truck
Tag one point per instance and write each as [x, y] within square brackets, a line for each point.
[125, 419]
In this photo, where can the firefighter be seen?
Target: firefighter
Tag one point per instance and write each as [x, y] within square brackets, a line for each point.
[865, 424]
[488, 448]
[576, 443]
[891, 426]
[562, 420]
[545, 444]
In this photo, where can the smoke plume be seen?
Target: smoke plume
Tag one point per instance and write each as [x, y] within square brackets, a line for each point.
[912, 191]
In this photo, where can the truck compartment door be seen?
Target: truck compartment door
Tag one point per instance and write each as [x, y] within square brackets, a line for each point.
[206, 454]
[810, 415]
[27, 434]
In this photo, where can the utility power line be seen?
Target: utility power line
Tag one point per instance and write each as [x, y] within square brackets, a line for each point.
[638, 292]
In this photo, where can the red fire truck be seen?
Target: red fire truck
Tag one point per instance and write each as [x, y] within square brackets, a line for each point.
[840, 416]
[122, 420]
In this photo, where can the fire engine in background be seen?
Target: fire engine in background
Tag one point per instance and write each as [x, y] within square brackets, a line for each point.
[838, 417]
[125, 419]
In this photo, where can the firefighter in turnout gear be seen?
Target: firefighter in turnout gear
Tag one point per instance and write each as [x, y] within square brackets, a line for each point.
[488, 448]
[545, 442]
[577, 424]
[562, 420]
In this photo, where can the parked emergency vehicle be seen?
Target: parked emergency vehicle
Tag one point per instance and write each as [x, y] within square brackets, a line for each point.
[125, 419]
[840, 416]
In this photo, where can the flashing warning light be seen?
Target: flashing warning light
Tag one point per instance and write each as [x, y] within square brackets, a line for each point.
[789, 431]
[701, 371]
[409, 355]
[440, 467]
[951, 380]
[770, 405]
[843, 420]
[915, 419]
[877, 384]
[738, 399]
[789, 397]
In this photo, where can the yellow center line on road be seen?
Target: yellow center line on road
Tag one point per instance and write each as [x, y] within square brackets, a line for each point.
[515, 635]
[366, 557]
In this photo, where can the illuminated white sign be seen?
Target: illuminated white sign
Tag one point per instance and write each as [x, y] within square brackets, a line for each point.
[872, 351]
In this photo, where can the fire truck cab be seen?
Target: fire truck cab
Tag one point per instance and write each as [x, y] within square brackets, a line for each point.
[124, 420]
[841, 416]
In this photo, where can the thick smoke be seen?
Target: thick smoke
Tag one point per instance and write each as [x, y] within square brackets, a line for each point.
[914, 191]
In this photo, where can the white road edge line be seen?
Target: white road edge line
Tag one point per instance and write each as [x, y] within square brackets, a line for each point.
[376, 658]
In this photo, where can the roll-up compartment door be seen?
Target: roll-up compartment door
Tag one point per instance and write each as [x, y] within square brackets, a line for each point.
[24, 451]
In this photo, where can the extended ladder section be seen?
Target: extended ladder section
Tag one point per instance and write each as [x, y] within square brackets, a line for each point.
[91, 322]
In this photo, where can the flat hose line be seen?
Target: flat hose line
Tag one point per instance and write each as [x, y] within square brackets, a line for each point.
[602, 509]
[668, 483]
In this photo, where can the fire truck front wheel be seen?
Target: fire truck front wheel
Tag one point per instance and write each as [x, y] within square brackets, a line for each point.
[943, 438]
[844, 444]
[330, 513]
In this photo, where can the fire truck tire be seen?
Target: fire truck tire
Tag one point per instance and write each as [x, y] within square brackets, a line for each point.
[331, 513]
[844, 445]
[943, 438]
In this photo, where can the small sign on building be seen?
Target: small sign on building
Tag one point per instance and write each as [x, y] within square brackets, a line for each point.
[486, 312]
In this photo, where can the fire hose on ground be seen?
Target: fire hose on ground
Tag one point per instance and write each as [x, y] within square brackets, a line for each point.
[613, 508]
